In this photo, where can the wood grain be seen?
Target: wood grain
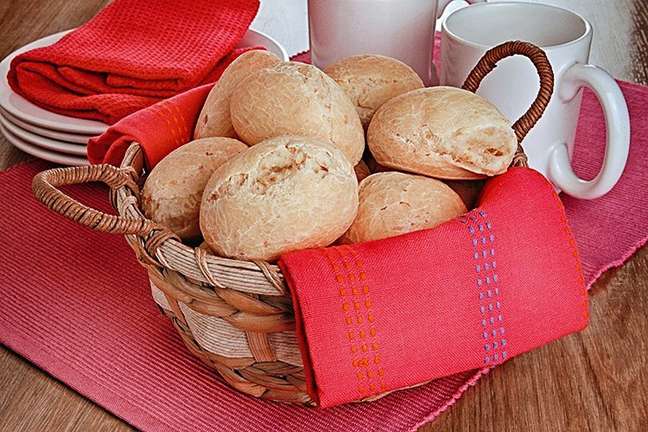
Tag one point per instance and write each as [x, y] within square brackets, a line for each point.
[593, 381]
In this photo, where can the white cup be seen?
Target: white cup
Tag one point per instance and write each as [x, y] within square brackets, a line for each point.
[566, 38]
[402, 29]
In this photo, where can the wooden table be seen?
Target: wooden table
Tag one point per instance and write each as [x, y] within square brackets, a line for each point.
[593, 381]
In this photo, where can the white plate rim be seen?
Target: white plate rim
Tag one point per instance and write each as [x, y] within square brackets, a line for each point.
[48, 133]
[47, 155]
[43, 142]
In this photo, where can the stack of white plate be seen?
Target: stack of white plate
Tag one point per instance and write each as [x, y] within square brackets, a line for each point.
[58, 138]
[38, 132]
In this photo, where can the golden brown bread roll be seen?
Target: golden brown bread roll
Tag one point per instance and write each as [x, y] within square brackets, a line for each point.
[371, 80]
[374, 167]
[296, 99]
[393, 203]
[214, 119]
[361, 170]
[173, 190]
[442, 132]
[283, 194]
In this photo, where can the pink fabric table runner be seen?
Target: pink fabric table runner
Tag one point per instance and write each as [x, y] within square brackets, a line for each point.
[77, 304]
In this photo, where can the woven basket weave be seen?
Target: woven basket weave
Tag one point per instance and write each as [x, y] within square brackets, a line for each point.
[236, 316]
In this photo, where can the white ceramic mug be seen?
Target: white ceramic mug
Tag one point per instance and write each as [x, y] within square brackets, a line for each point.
[566, 38]
[402, 29]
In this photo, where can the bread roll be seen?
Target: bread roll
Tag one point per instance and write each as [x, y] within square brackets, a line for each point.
[371, 80]
[442, 132]
[173, 190]
[361, 170]
[283, 194]
[393, 203]
[214, 119]
[374, 167]
[296, 99]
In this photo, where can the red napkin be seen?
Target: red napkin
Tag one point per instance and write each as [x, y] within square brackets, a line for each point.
[472, 293]
[159, 129]
[131, 55]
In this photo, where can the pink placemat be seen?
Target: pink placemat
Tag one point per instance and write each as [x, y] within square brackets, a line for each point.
[77, 304]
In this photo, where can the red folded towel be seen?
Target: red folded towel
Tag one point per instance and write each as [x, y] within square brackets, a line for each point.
[131, 55]
[471, 293]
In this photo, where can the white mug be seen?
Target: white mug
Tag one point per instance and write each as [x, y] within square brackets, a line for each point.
[402, 29]
[566, 38]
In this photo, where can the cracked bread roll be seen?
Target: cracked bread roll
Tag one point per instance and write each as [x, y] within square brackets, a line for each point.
[214, 119]
[393, 203]
[296, 99]
[372, 80]
[283, 194]
[173, 190]
[442, 132]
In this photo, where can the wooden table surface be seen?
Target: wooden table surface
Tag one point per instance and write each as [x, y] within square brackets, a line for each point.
[593, 381]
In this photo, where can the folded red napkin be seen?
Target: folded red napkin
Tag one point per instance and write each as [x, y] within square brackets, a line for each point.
[131, 55]
[159, 129]
[474, 292]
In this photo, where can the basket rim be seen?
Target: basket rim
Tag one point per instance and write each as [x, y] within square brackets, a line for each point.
[253, 277]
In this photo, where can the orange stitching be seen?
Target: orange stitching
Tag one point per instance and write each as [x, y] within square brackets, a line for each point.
[362, 362]
[347, 255]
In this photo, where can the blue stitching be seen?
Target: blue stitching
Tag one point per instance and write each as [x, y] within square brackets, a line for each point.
[490, 306]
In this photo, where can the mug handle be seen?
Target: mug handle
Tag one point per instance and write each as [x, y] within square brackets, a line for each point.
[617, 123]
[444, 3]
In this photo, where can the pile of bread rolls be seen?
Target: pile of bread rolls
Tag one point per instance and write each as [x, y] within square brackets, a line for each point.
[277, 159]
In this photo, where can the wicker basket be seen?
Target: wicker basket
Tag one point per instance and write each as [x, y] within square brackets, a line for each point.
[236, 316]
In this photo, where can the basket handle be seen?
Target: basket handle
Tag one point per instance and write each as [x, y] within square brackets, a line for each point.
[45, 188]
[545, 72]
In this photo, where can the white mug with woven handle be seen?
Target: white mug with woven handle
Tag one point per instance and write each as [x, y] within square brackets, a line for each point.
[402, 29]
[566, 37]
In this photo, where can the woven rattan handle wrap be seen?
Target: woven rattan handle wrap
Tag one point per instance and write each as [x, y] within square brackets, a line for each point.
[45, 186]
[545, 72]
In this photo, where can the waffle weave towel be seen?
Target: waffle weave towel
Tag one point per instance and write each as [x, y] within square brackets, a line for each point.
[131, 55]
